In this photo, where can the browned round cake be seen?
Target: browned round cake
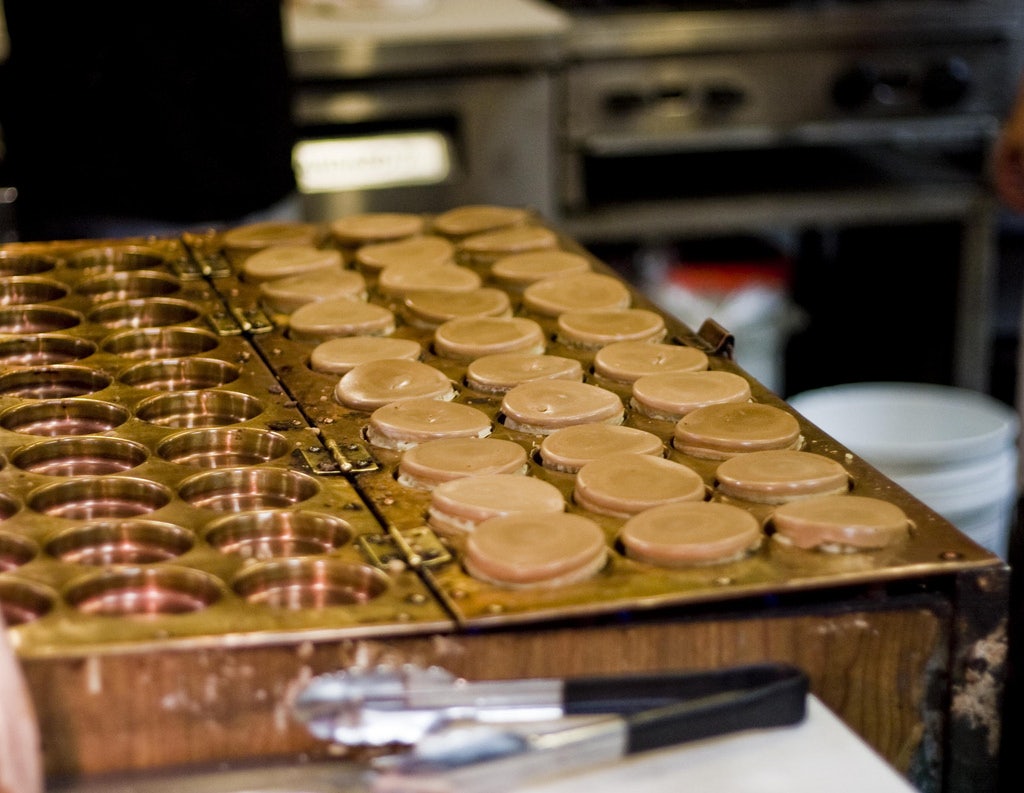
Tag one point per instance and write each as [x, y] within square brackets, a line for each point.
[460, 504]
[839, 524]
[621, 485]
[531, 551]
[694, 532]
[774, 477]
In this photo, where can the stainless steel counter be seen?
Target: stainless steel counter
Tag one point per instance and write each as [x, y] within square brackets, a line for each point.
[335, 39]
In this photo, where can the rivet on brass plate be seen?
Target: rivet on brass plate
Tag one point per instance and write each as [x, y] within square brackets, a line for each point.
[723, 580]
[416, 599]
[379, 549]
[252, 319]
[319, 461]
[426, 546]
[187, 269]
[495, 608]
[223, 324]
[352, 457]
[951, 556]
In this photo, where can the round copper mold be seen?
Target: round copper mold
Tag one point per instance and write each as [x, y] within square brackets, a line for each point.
[180, 374]
[37, 319]
[309, 583]
[241, 489]
[42, 350]
[12, 263]
[8, 506]
[223, 447]
[92, 498]
[144, 591]
[153, 343]
[129, 286]
[91, 455]
[64, 417]
[21, 291]
[24, 601]
[272, 534]
[130, 541]
[15, 551]
[52, 382]
[194, 409]
[117, 257]
[144, 313]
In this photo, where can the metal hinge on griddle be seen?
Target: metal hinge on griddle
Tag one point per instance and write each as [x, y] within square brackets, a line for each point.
[418, 548]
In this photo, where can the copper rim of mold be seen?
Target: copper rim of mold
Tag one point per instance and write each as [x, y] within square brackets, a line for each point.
[167, 342]
[64, 417]
[37, 319]
[202, 408]
[147, 312]
[42, 349]
[117, 257]
[180, 374]
[223, 447]
[307, 582]
[23, 601]
[130, 285]
[89, 498]
[239, 489]
[129, 541]
[16, 551]
[268, 534]
[15, 263]
[22, 290]
[8, 506]
[144, 591]
[88, 455]
[52, 382]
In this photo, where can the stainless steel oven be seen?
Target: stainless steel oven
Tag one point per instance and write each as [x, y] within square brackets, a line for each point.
[424, 106]
[825, 121]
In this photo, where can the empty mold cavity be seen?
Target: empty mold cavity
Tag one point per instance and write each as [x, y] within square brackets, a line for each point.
[129, 286]
[144, 591]
[12, 263]
[223, 447]
[37, 319]
[64, 417]
[117, 257]
[153, 343]
[8, 506]
[24, 601]
[21, 291]
[15, 551]
[240, 489]
[144, 313]
[52, 382]
[273, 533]
[131, 541]
[82, 456]
[41, 350]
[90, 498]
[194, 409]
[308, 583]
[180, 374]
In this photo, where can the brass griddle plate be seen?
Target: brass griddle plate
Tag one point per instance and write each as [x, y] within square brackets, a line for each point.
[109, 491]
[935, 547]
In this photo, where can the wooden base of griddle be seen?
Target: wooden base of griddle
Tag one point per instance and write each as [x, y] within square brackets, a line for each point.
[914, 668]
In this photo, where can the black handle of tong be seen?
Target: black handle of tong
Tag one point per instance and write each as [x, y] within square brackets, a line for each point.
[668, 709]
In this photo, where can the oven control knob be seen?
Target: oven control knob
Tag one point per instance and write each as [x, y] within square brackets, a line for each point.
[623, 103]
[854, 87]
[722, 98]
[945, 84]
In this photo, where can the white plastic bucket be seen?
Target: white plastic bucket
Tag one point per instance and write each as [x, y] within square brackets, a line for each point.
[953, 448]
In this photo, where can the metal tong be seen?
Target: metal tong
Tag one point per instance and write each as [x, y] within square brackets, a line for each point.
[489, 736]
